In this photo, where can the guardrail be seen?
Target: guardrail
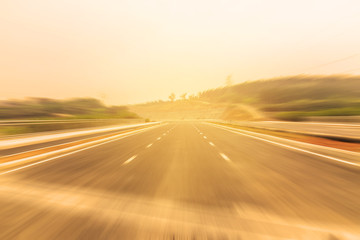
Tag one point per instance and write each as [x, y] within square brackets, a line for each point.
[23, 140]
[32, 122]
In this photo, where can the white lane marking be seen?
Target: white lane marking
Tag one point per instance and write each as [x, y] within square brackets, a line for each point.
[205, 137]
[293, 148]
[164, 134]
[172, 128]
[201, 133]
[225, 157]
[212, 144]
[158, 138]
[196, 128]
[149, 145]
[130, 159]
[63, 155]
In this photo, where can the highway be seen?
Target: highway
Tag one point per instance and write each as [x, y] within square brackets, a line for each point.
[183, 180]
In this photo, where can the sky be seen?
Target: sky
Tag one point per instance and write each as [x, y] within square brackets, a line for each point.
[133, 51]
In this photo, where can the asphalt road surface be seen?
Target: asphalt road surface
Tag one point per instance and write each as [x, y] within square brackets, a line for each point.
[183, 180]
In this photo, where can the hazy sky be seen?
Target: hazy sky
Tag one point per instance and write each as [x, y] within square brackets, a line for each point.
[139, 50]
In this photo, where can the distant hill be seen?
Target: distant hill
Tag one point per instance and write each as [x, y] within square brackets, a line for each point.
[292, 98]
[286, 98]
[195, 109]
[180, 109]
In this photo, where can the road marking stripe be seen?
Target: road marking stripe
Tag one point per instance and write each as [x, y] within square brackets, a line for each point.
[158, 138]
[205, 137]
[66, 154]
[212, 144]
[291, 147]
[225, 157]
[130, 159]
[196, 128]
[149, 145]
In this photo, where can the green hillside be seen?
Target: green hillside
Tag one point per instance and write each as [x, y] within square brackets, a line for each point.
[292, 98]
[45, 108]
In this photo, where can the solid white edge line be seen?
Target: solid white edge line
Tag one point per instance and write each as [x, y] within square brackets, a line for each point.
[294, 148]
[67, 154]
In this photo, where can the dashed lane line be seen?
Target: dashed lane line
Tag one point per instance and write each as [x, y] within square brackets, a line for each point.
[225, 157]
[129, 160]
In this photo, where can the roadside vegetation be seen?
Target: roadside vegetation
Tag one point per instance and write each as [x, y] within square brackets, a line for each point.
[294, 98]
[78, 108]
[82, 113]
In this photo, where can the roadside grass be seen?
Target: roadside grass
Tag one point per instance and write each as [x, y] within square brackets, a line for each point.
[12, 130]
[301, 115]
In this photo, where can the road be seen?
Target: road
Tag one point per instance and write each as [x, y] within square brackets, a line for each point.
[182, 180]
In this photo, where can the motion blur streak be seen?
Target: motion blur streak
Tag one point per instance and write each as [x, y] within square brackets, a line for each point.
[181, 188]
